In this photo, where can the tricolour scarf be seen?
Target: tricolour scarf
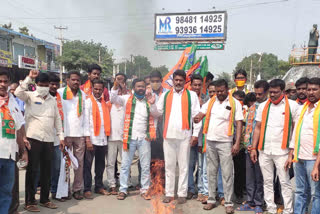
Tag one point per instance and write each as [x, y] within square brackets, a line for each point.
[97, 119]
[8, 125]
[249, 124]
[68, 95]
[231, 117]
[185, 109]
[59, 104]
[316, 131]
[287, 122]
[128, 122]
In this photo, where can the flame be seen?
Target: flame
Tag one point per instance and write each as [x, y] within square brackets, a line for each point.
[156, 190]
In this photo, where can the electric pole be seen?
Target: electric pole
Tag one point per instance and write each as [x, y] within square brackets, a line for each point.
[60, 28]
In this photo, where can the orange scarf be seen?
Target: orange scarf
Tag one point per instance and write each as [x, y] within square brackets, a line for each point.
[287, 124]
[128, 122]
[68, 95]
[87, 88]
[97, 119]
[231, 117]
[186, 110]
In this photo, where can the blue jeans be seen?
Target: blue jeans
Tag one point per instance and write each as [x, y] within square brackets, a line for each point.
[303, 170]
[6, 183]
[202, 175]
[144, 150]
[220, 184]
[55, 169]
[192, 165]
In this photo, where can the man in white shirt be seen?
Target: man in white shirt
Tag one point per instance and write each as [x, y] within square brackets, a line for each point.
[9, 136]
[115, 140]
[138, 131]
[303, 150]
[221, 112]
[179, 107]
[42, 118]
[73, 103]
[97, 125]
[272, 132]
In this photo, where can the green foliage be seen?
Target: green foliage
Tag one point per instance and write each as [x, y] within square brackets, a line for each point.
[140, 67]
[269, 66]
[8, 26]
[78, 55]
[226, 76]
[24, 30]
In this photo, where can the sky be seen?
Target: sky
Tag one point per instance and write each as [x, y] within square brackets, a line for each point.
[127, 26]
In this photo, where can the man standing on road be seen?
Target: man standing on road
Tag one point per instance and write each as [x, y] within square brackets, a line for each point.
[221, 112]
[73, 103]
[271, 137]
[42, 118]
[179, 106]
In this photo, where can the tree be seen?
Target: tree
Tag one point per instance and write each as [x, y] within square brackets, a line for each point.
[227, 77]
[267, 65]
[24, 30]
[8, 26]
[78, 55]
[140, 67]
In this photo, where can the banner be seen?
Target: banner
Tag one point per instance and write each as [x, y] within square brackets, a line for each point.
[5, 59]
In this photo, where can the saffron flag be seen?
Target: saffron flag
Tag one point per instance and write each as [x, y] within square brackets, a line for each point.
[184, 63]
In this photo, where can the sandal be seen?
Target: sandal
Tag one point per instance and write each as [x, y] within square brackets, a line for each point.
[167, 200]
[77, 195]
[113, 191]
[102, 192]
[32, 208]
[121, 196]
[209, 206]
[245, 207]
[146, 196]
[258, 210]
[49, 205]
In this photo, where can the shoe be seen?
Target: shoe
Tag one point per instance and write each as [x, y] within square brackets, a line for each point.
[167, 199]
[102, 191]
[53, 196]
[88, 195]
[77, 195]
[190, 195]
[182, 200]
[49, 205]
[32, 208]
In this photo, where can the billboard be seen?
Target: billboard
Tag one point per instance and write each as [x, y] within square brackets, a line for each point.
[191, 26]
[27, 62]
[5, 59]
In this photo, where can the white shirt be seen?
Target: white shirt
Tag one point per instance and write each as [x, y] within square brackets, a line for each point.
[73, 125]
[306, 138]
[101, 139]
[174, 130]
[9, 147]
[140, 120]
[117, 122]
[274, 131]
[219, 119]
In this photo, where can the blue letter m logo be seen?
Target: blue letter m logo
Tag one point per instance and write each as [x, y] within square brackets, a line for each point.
[165, 26]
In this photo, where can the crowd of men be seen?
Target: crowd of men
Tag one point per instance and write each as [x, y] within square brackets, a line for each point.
[230, 145]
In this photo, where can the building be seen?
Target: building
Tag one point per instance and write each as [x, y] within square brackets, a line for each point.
[20, 53]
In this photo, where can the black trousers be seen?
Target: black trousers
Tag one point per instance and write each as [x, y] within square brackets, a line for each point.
[15, 191]
[239, 173]
[40, 155]
[254, 183]
[99, 154]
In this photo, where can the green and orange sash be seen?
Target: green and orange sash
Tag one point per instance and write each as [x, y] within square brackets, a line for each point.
[87, 88]
[68, 95]
[287, 124]
[185, 108]
[128, 122]
[231, 118]
[8, 125]
[97, 119]
[316, 131]
[59, 104]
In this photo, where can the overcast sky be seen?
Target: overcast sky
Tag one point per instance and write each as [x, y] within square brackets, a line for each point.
[127, 26]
